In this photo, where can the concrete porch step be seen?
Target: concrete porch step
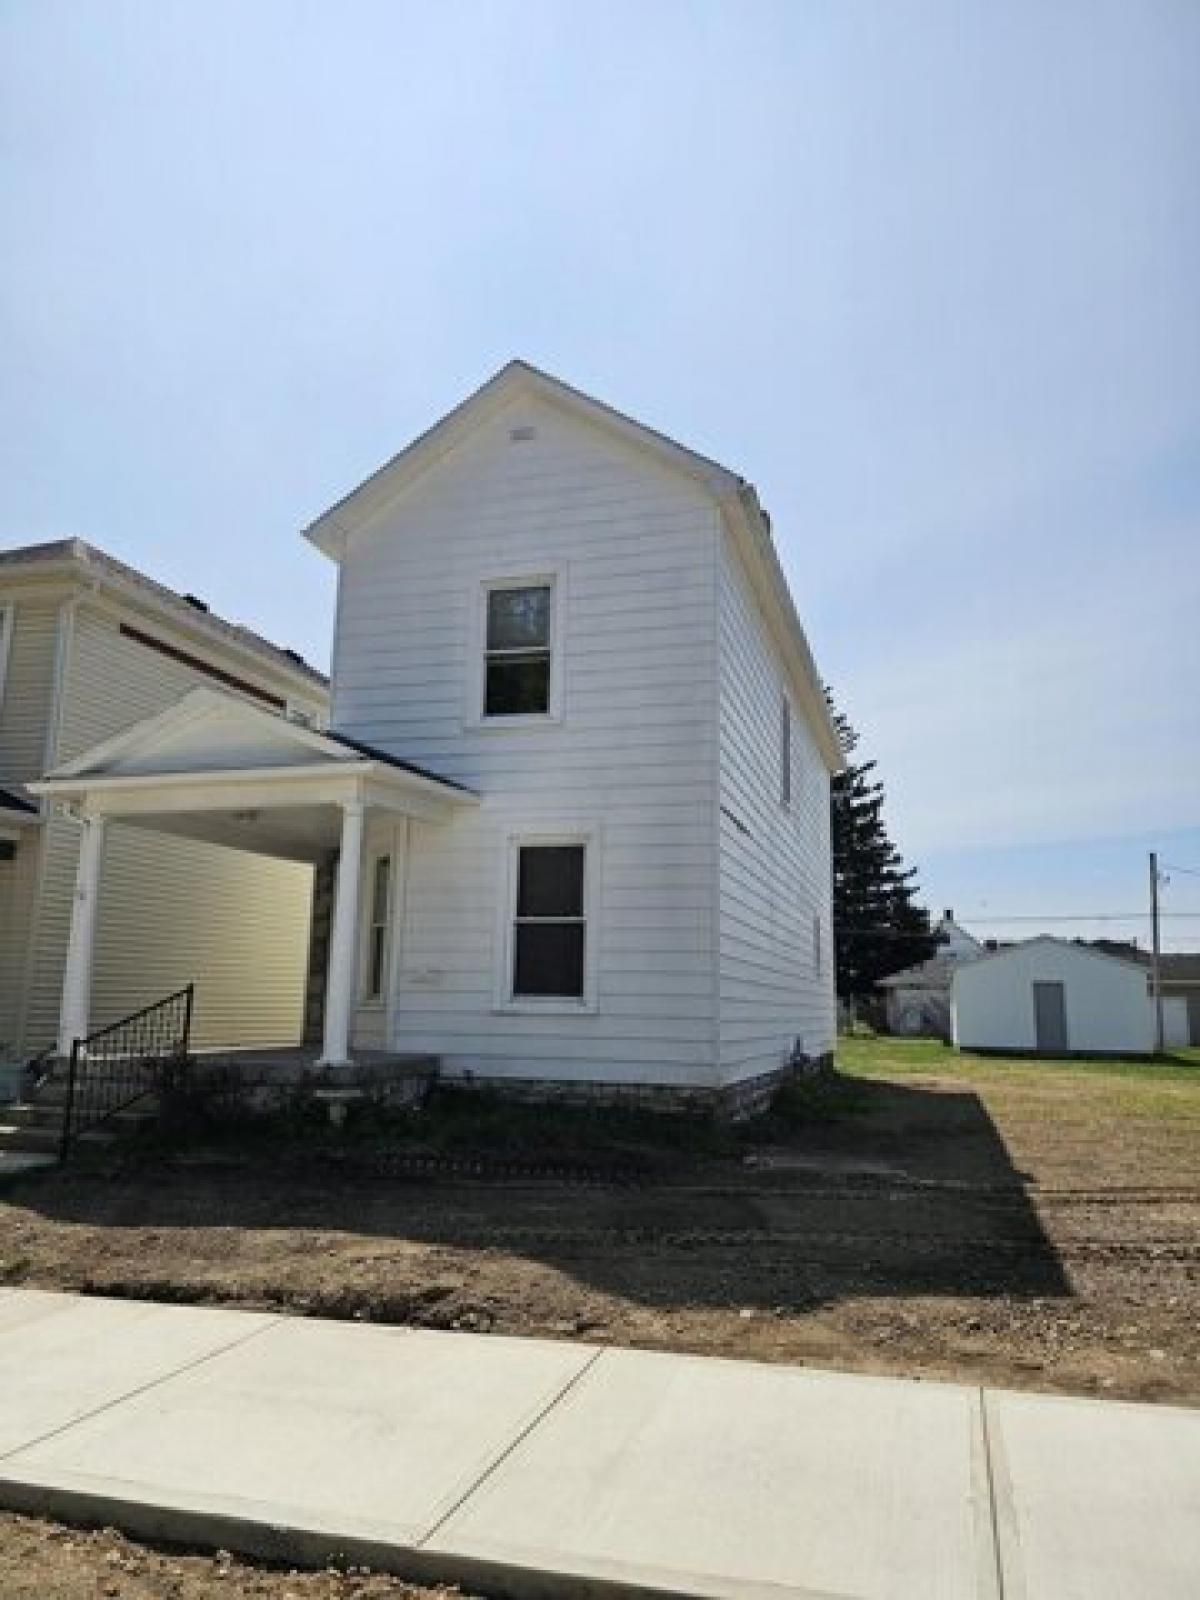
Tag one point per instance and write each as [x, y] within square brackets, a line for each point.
[36, 1114]
[33, 1141]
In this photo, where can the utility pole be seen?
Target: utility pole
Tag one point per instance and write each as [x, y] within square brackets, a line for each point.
[1155, 979]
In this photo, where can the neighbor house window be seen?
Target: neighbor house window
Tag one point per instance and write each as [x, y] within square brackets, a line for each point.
[518, 650]
[377, 928]
[6, 621]
[785, 751]
[549, 932]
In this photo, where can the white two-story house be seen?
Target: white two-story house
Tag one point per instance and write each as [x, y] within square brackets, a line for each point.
[573, 803]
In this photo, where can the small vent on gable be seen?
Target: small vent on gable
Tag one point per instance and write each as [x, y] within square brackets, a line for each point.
[522, 434]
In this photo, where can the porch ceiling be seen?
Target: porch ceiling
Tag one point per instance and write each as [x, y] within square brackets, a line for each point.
[291, 812]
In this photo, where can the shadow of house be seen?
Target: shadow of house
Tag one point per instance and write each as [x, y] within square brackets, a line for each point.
[912, 1194]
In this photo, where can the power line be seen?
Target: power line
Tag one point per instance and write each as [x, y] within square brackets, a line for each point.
[1169, 866]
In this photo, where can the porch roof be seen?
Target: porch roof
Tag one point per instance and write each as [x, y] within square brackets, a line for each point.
[217, 768]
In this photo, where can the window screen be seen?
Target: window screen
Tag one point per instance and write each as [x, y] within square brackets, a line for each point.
[517, 651]
[549, 929]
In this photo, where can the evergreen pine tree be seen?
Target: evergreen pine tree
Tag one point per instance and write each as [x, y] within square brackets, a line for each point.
[878, 928]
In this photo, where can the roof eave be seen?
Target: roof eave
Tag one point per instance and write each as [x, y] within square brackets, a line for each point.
[746, 513]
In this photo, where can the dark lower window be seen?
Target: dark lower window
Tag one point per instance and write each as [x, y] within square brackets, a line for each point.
[381, 894]
[549, 928]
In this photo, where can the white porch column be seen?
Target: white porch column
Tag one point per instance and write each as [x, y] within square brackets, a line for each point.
[343, 942]
[77, 975]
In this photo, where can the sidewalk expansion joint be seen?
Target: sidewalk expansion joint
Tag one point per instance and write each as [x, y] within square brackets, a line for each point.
[139, 1389]
[993, 1519]
[513, 1445]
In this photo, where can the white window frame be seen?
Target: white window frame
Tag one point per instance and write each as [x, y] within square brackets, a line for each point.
[787, 743]
[553, 578]
[506, 943]
[6, 632]
[382, 851]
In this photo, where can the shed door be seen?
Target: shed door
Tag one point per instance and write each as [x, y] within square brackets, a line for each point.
[1050, 1017]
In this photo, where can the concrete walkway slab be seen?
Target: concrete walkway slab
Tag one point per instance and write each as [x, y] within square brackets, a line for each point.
[554, 1471]
[1095, 1501]
[732, 1479]
[63, 1357]
[351, 1430]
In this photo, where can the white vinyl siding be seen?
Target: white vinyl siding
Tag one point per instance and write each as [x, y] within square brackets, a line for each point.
[171, 910]
[633, 547]
[28, 686]
[775, 883]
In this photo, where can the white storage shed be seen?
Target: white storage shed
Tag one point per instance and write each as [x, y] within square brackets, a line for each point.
[1051, 997]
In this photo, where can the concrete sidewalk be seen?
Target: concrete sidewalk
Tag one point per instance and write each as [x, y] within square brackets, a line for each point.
[528, 1468]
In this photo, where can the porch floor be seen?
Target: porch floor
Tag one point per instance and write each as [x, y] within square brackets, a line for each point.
[279, 1066]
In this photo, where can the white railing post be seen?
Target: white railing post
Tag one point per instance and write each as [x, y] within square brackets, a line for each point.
[77, 974]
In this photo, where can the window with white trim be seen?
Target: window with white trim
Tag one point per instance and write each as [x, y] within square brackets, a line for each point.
[379, 909]
[785, 751]
[518, 649]
[549, 923]
[6, 625]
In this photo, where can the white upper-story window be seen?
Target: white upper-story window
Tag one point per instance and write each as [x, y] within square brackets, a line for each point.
[785, 751]
[6, 625]
[519, 651]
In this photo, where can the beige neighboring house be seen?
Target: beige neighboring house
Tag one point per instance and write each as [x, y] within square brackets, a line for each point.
[88, 648]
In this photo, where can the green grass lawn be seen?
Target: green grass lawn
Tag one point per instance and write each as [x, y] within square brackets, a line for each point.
[1091, 1086]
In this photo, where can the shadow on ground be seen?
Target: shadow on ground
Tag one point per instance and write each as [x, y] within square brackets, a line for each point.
[896, 1191]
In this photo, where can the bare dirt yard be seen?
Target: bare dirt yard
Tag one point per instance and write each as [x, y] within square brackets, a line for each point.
[47, 1561]
[1023, 1223]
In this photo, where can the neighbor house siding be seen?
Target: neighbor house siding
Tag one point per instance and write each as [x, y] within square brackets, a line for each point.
[26, 710]
[633, 549]
[171, 911]
[774, 858]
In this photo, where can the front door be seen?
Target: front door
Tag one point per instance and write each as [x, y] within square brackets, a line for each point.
[1050, 1018]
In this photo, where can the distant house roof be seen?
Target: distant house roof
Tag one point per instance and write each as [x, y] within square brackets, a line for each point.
[87, 559]
[935, 973]
[1174, 967]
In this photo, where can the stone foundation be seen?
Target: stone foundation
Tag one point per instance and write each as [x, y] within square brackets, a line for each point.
[732, 1102]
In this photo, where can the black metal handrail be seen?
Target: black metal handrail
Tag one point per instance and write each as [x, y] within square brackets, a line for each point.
[123, 1062]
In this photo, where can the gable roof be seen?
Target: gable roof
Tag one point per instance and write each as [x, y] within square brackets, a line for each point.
[200, 705]
[84, 560]
[1009, 950]
[736, 497]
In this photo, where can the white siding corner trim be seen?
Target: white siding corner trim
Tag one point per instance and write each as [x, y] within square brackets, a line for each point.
[590, 837]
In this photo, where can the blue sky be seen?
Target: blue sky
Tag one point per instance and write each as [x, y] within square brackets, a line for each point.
[926, 273]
